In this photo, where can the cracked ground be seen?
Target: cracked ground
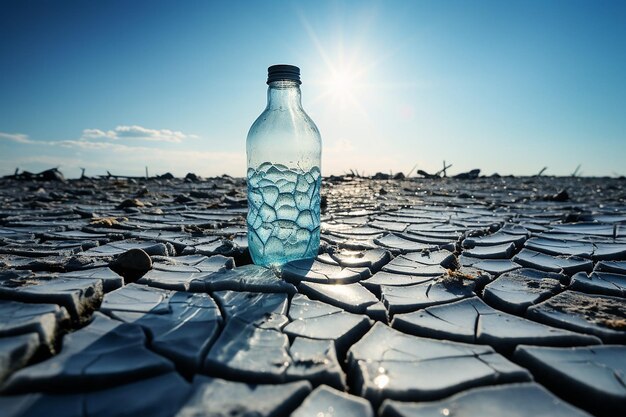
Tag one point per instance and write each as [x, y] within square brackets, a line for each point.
[492, 296]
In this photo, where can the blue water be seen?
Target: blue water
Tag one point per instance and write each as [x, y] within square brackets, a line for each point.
[283, 213]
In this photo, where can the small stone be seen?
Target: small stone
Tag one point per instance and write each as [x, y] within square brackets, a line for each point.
[131, 202]
[132, 264]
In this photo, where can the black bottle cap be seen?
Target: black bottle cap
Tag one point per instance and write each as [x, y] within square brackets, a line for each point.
[283, 72]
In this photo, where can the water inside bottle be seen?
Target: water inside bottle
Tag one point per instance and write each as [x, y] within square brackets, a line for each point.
[284, 213]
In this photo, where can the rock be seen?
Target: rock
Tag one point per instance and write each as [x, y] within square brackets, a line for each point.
[166, 176]
[470, 175]
[183, 199]
[192, 177]
[589, 377]
[513, 400]
[381, 176]
[52, 175]
[130, 202]
[132, 264]
[325, 401]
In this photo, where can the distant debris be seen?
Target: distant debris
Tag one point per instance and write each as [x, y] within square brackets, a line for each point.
[166, 176]
[436, 174]
[381, 176]
[470, 175]
[541, 172]
[427, 175]
[52, 174]
[191, 177]
[130, 202]
[560, 196]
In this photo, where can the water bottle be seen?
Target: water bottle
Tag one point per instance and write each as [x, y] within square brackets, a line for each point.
[284, 151]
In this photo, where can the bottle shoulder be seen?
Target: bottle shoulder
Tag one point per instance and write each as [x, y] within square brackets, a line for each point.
[284, 121]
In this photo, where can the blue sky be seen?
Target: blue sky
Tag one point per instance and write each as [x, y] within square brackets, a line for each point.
[508, 87]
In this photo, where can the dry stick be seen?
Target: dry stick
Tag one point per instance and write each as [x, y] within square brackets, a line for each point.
[541, 172]
[411, 171]
[575, 173]
[443, 170]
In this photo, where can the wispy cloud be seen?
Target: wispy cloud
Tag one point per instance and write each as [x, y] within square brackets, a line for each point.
[15, 137]
[99, 150]
[138, 132]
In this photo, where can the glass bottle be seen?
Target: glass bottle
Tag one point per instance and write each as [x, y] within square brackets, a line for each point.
[284, 157]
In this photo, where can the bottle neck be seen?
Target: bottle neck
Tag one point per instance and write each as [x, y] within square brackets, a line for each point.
[283, 94]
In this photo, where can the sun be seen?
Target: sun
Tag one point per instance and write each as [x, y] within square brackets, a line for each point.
[341, 85]
[344, 71]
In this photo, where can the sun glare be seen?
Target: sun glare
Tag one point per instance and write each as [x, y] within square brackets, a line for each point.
[343, 79]
[342, 86]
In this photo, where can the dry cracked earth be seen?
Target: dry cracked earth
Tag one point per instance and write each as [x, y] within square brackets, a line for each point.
[486, 297]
